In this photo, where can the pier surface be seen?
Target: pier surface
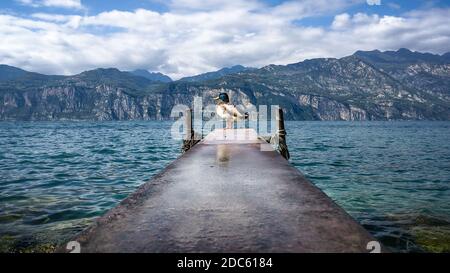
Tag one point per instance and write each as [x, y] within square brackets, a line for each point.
[227, 194]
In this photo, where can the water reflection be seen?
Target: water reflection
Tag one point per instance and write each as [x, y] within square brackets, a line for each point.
[223, 155]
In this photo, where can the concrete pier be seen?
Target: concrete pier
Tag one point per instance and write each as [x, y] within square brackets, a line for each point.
[228, 193]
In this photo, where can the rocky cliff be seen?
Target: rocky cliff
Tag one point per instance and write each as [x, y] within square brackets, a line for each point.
[365, 86]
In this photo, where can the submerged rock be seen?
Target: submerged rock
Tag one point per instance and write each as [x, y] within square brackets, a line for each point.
[433, 239]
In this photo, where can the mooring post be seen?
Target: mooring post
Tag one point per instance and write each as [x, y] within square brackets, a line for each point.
[189, 139]
[282, 146]
[188, 124]
[188, 136]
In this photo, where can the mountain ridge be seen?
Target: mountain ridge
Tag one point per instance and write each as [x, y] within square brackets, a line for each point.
[10, 72]
[217, 74]
[153, 76]
[368, 85]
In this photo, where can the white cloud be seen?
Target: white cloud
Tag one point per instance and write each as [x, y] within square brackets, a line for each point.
[76, 4]
[341, 21]
[393, 5]
[31, 3]
[196, 5]
[179, 43]
[374, 2]
[308, 8]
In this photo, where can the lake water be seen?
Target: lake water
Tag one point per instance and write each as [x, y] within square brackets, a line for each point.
[56, 177]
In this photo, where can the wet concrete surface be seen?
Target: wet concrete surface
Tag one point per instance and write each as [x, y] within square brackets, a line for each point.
[221, 197]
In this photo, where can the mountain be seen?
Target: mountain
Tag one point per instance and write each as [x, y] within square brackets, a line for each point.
[424, 71]
[100, 94]
[217, 74]
[112, 77]
[333, 89]
[368, 85]
[401, 57]
[9, 72]
[153, 76]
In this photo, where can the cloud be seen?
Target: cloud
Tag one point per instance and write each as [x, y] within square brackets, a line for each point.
[180, 43]
[75, 4]
[202, 5]
[309, 8]
[374, 2]
[341, 21]
[393, 5]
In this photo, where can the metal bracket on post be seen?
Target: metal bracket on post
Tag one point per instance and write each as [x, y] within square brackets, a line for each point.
[189, 139]
[278, 139]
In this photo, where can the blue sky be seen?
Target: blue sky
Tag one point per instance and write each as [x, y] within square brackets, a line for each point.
[91, 7]
[96, 6]
[185, 37]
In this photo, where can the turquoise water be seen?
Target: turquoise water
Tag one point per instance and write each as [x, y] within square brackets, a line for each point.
[393, 177]
[56, 177]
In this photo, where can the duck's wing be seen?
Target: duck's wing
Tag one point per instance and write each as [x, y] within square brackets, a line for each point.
[222, 111]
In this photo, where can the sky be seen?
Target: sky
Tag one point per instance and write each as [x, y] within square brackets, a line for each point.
[187, 37]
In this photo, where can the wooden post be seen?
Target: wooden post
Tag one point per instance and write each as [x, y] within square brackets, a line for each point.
[282, 146]
[188, 124]
[189, 139]
[188, 136]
